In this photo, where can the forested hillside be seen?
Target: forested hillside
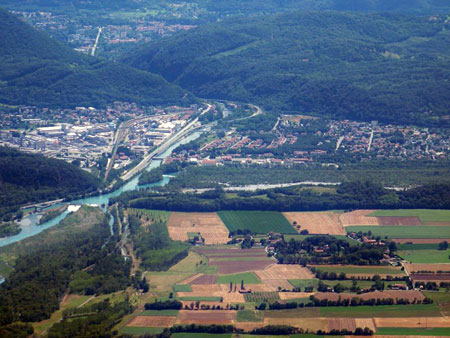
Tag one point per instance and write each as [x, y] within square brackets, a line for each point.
[27, 178]
[36, 70]
[240, 7]
[357, 66]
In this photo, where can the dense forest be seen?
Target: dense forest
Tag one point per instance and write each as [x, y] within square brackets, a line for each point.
[37, 70]
[223, 8]
[28, 178]
[349, 195]
[341, 65]
[157, 251]
[48, 264]
[389, 173]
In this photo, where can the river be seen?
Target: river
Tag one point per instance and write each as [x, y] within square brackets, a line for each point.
[30, 224]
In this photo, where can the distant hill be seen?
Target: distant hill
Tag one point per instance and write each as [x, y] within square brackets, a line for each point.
[224, 8]
[387, 67]
[28, 178]
[37, 70]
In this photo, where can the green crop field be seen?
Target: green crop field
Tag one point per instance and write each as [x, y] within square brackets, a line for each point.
[247, 277]
[182, 288]
[258, 297]
[201, 299]
[425, 256]
[250, 316]
[159, 313]
[440, 298]
[299, 237]
[135, 330]
[409, 246]
[422, 310]
[425, 215]
[404, 231]
[256, 221]
[402, 331]
[303, 283]
[380, 270]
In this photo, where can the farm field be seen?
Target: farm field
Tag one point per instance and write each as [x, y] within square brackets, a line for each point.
[411, 295]
[354, 270]
[397, 331]
[148, 216]
[425, 256]
[411, 246]
[208, 224]
[250, 316]
[135, 330]
[425, 215]
[413, 322]
[248, 278]
[256, 221]
[438, 232]
[422, 310]
[316, 222]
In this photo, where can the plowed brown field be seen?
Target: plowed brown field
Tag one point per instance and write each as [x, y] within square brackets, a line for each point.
[206, 317]
[413, 322]
[341, 323]
[294, 295]
[208, 224]
[204, 280]
[281, 271]
[152, 321]
[358, 217]
[317, 222]
[415, 267]
[230, 267]
[311, 324]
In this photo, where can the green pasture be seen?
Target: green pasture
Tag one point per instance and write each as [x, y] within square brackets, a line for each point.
[401, 331]
[416, 310]
[404, 231]
[410, 246]
[425, 256]
[247, 277]
[256, 221]
[425, 215]
[250, 316]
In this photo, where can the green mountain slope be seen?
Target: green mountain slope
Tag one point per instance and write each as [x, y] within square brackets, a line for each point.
[393, 68]
[222, 8]
[36, 70]
[27, 178]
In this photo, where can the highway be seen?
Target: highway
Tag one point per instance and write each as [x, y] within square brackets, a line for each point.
[185, 131]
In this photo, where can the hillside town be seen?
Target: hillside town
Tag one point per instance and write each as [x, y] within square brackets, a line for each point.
[305, 140]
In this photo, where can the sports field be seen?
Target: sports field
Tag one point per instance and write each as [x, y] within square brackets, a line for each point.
[425, 256]
[256, 221]
[404, 231]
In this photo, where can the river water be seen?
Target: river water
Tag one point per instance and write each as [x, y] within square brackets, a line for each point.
[30, 224]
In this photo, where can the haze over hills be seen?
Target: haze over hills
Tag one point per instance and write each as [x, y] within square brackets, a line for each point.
[241, 7]
[37, 70]
[357, 66]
